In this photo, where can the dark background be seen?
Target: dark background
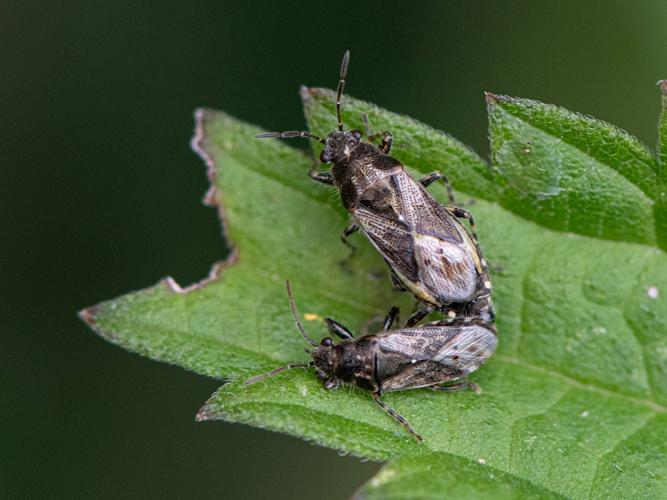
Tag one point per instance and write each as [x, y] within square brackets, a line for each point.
[101, 194]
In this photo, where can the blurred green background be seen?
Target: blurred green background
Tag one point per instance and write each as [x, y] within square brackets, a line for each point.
[101, 195]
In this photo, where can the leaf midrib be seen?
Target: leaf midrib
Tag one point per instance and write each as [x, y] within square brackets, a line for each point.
[649, 403]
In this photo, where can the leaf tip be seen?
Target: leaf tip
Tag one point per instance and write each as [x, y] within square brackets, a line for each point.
[205, 413]
[663, 86]
[87, 315]
[308, 93]
[305, 94]
[492, 98]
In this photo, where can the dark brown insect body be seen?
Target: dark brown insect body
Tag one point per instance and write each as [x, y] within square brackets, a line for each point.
[429, 251]
[410, 358]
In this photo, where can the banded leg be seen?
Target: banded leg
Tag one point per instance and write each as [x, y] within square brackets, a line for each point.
[429, 179]
[323, 177]
[387, 139]
[396, 416]
[338, 329]
[385, 143]
[392, 316]
[463, 214]
[481, 307]
[419, 315]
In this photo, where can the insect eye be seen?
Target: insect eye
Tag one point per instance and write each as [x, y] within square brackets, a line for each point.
[356, 134]
[325, 157]
[327, 342]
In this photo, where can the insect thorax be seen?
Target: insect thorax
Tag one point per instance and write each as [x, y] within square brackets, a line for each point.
[353, 362]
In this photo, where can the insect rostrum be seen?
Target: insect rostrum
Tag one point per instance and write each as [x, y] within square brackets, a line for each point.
[429, 251]
[432, 355]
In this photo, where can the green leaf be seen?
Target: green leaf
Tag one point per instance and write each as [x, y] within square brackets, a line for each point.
[574, 402]
[662, 126]
[421, 477]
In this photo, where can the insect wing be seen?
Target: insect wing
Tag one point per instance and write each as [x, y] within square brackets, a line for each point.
[418, 344]
[392, 239]
[422, 212]
[468, 349]
[446, 268]
[462, 347]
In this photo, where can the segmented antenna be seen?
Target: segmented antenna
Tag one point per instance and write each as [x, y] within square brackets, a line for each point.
[289, 134]
[341, 86]
[295, 315]
[257, 378]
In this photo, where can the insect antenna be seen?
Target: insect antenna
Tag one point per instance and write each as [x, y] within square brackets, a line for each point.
[341, 86]
[276, 371]
[295, 315]
[289, 134]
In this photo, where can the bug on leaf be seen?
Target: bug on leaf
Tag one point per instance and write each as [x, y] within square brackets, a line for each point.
[429, 251]
[437, 355]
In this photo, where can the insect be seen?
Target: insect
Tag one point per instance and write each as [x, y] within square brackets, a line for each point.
[431, 355]
[429, 251]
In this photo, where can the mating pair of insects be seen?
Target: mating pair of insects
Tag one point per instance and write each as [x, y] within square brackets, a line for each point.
[429, 252]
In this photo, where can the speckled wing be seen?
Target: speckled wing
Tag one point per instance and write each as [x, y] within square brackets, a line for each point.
[467, 350]
[419, 343]
[422, 213]
[464, 348]
[392, 238]
[443, 251]
[420, 374]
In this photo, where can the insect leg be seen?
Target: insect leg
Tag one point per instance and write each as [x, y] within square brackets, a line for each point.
[419, 315]
[323, 177]
[397, 283]
[463, 214]
[392, 315]
[464, 384]
[349, 230]
[429, 179]
[275, 371]
[385, 143]
[338, 329]
[396, 416]
[481, 306]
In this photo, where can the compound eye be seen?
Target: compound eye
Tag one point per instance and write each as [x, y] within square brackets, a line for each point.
[327, 342]
[356, 134]
[325, 157]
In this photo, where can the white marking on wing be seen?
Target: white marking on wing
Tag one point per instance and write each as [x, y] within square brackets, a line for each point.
[445, 268]
[469, 349]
